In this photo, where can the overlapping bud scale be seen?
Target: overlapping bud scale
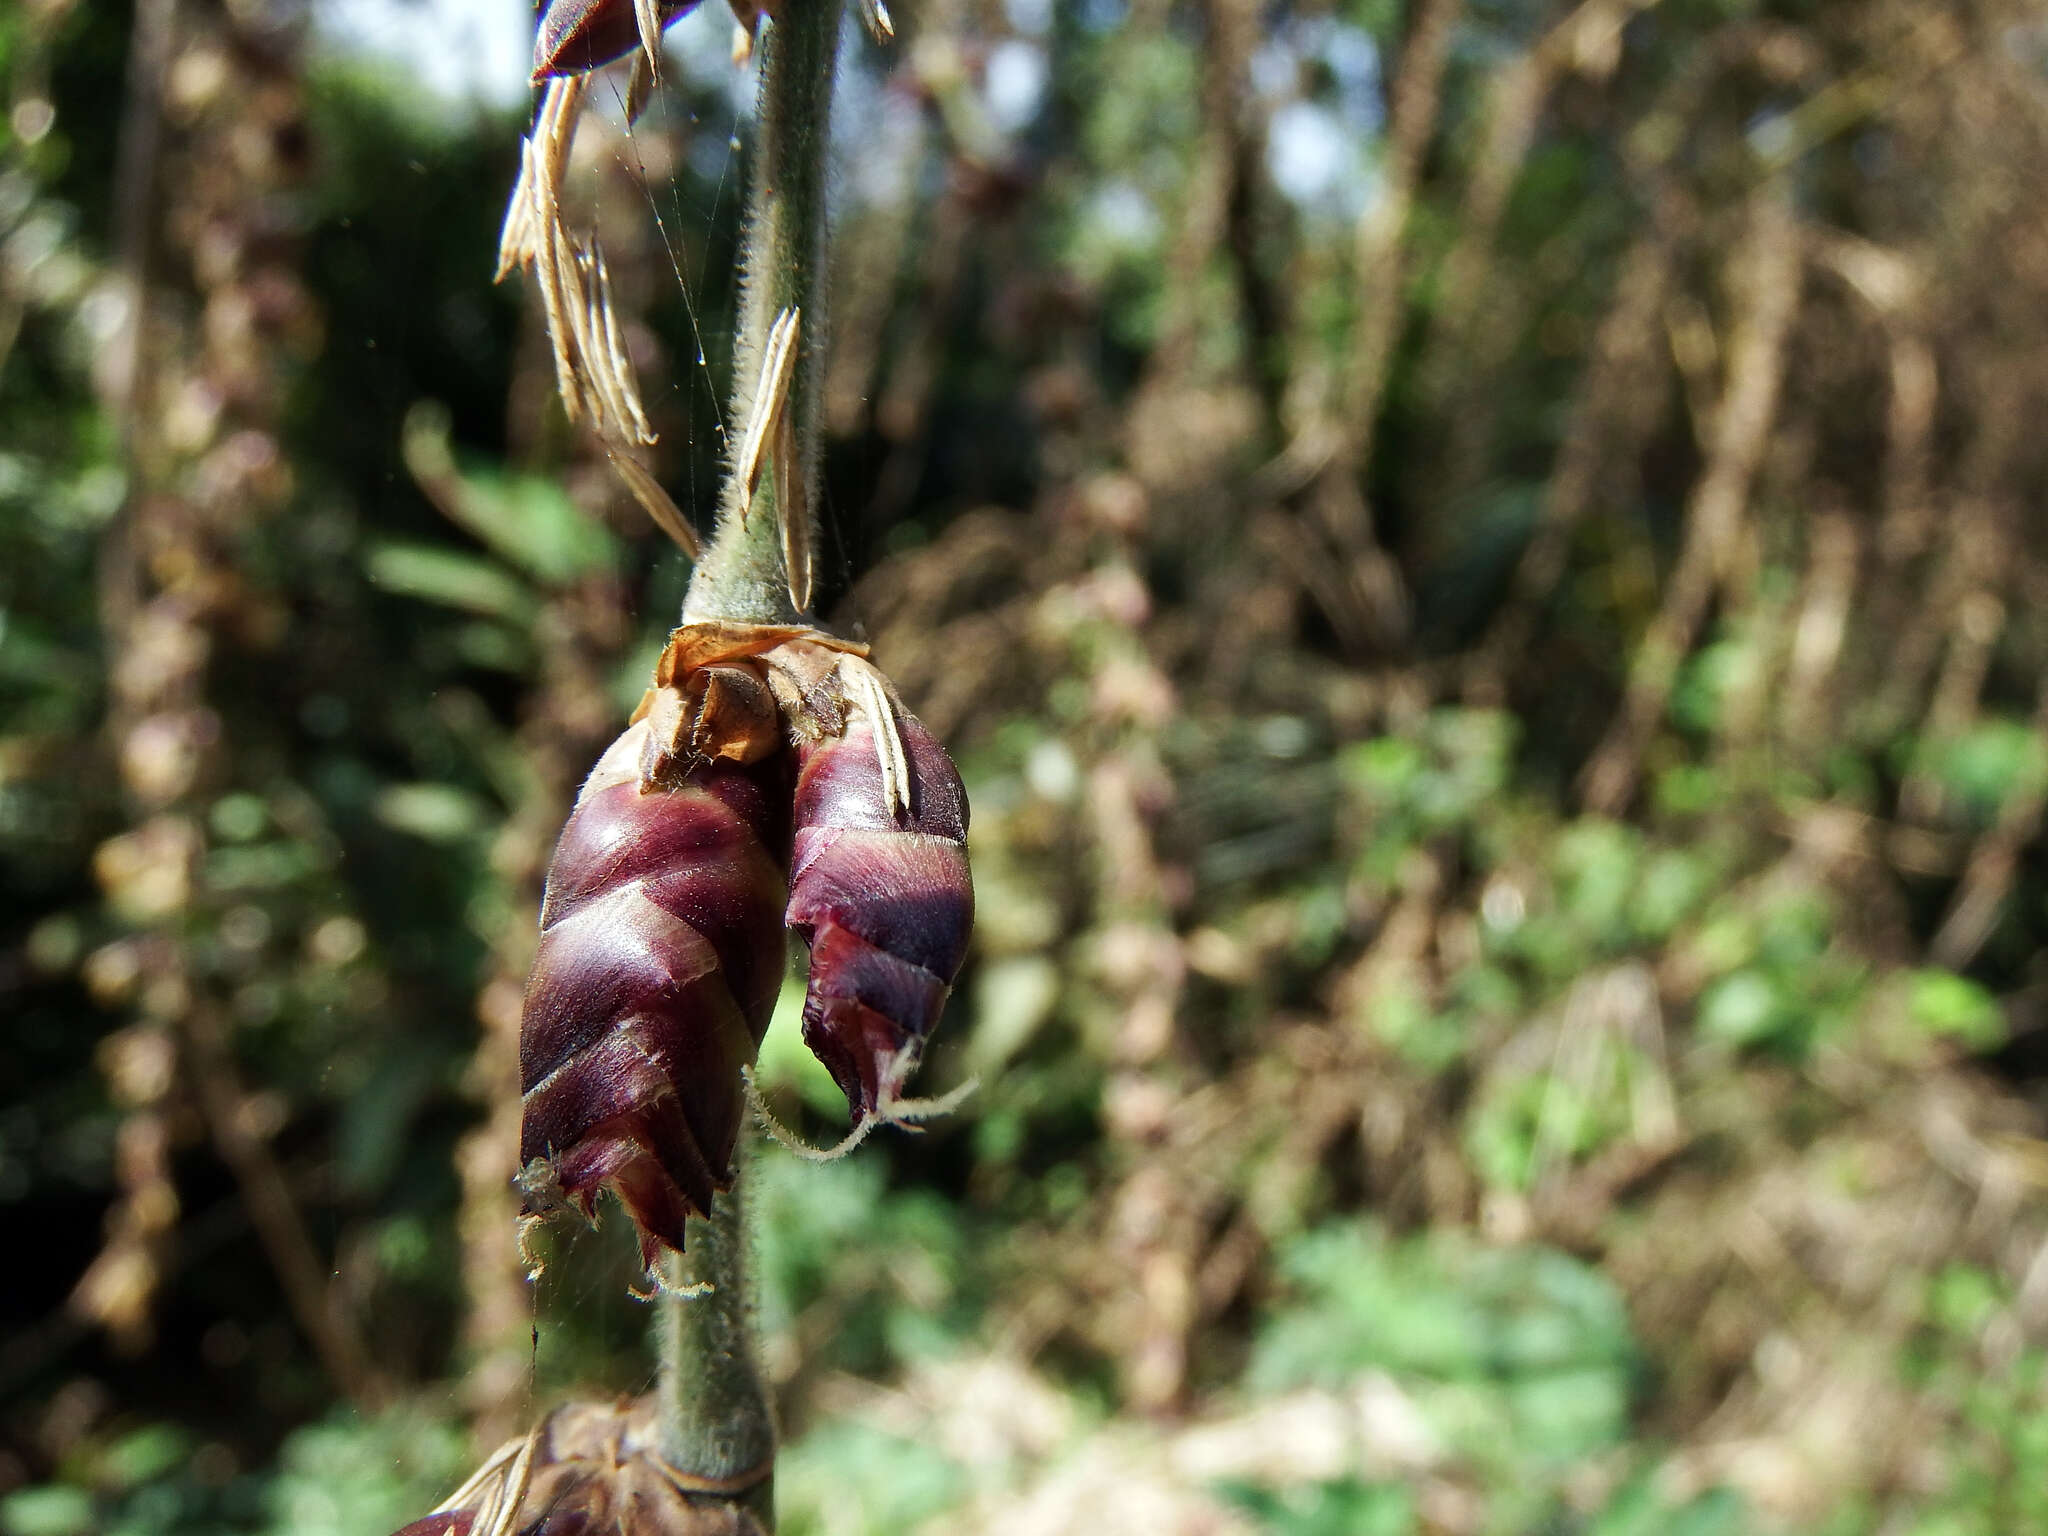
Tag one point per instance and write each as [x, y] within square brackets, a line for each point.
[882, 895]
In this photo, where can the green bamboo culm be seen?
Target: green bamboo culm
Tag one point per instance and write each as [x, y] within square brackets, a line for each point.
[716, 1420]
[782, 266]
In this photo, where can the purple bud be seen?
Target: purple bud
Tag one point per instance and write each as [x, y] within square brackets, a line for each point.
[659, 962]
[884, 899]
[579, 35]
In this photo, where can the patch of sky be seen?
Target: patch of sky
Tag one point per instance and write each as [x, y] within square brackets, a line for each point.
[711, 155]
[698, 51]
[1013, 84]
[1123, 218]
[1771, 133]
[1306, 153]
[459, 52]
[1326, 60]
[1320, 79]
[1353, 60]
[1029, 18]
[1100, 16]
[700, 44]
[878, 136]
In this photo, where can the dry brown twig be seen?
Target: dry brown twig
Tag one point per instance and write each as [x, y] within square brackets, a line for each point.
[1766, 278]
[1475, 330]
[1356, 580]
[1587, 41]
[1613, 411]
[1992, 868]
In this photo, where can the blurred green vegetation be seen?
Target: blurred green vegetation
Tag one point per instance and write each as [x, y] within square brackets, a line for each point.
[1479, 564]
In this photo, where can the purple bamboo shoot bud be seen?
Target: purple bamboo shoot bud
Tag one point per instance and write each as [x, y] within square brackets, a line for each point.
[575, 36]
[660, 958]
[579, 35]
[883, 896]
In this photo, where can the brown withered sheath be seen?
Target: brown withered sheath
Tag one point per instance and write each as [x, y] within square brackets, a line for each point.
[591, 1469]
[882, 894]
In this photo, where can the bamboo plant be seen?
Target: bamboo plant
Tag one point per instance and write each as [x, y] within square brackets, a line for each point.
[770, 780]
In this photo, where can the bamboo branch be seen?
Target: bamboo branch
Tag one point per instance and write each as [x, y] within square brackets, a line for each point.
[1613, 411]
[1382, 235]
[320, 1308]
[1333, 452]
[1767, 291]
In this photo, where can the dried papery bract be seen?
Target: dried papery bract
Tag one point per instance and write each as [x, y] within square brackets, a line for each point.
[661, 946]
[770, 438]
[594, 372]
[533, 218]
[592, 1470]
[879, 882]
[771, 406]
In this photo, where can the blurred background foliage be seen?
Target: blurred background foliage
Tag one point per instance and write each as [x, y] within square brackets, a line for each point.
[1481, 560]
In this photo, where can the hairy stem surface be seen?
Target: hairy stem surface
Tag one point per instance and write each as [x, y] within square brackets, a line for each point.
[741, 576]
[716, 1422]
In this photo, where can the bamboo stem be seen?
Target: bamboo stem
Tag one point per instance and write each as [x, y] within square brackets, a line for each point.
[716, 1422]
[741, 576]
[716, 1425]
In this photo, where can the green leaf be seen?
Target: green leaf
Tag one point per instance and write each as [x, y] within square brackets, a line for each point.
[1707, 679]
[48, 1510]
[1688, 789]
[1437, 1308]
[1013, 998]
[1741, 1010]
[532, 523]
[846, 1476]
[433, 573]
[1345, 1508]
[1953, 1007]
[438, 813]
[362, 1477]
[1424, 1037]
[1638, 1509]
[1962, 1298]
[1673, 884]
[1596, 864]
[146, 1454]
[1384, 766]
[1988, 764]
[527, 520]
[371, 1137]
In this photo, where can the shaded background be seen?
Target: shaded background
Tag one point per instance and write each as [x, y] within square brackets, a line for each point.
[1481, 560]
